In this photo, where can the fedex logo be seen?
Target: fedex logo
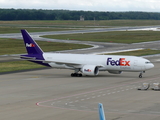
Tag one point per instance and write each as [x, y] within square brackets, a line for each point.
[120, 62]
[87, 70]
[30, 45]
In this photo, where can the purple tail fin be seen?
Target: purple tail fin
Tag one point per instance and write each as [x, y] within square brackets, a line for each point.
[31, 46]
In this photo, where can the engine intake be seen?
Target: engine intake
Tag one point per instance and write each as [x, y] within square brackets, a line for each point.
[90, 70]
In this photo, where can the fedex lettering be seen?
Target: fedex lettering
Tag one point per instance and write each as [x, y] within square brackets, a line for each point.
[87, 70]
[120, 62]
[30, 45]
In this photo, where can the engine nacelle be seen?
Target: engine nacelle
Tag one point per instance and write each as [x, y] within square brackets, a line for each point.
[90, 70]
[115, 72]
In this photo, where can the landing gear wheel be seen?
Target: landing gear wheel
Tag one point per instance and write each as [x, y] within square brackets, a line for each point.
[72, 74]
[140, 75]
[80, 75]
[76, 75]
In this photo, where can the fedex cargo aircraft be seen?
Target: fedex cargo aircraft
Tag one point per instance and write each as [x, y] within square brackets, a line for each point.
[89, 65]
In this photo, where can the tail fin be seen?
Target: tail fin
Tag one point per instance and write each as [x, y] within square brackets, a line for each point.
[101, 112]
[31, 46]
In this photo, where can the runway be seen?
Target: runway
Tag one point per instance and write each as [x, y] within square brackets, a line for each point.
[51, 94]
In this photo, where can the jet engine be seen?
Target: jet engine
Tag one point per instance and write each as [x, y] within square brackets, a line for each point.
[114, 72]
[90, 70]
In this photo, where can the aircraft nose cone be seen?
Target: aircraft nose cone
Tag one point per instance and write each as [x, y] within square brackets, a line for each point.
[149, 66]
[152, 65]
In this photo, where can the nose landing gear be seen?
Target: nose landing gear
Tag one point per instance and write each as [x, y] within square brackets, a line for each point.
[141, 73]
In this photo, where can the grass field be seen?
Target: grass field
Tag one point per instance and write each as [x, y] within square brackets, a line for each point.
[75, 23]
[4, 30]
[13, 46]
[115, 37]
[18, 66]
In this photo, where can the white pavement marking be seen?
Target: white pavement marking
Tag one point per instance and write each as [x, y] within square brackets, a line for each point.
[97, 94]
[53, 103]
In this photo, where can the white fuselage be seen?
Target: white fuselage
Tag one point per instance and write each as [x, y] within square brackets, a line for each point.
[104, 62]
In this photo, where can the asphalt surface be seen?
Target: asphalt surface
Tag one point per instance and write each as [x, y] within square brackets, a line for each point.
[52, 94]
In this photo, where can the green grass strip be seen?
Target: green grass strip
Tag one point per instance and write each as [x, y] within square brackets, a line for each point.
[14, 46]
[9, 29]
[18, 66]
[82, 23]
[113, 37]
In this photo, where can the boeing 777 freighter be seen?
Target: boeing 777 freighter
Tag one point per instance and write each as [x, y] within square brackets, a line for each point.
[89, 65]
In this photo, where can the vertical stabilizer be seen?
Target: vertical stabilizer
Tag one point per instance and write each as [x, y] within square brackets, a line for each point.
[101, 112]
[31, 46]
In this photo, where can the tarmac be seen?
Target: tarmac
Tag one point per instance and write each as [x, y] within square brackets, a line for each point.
[51, 94]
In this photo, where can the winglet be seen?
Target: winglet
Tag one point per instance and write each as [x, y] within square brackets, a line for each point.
[31, 46]
[101, 112]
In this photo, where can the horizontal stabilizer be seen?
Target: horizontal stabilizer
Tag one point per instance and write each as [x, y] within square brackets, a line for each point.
[28, 58]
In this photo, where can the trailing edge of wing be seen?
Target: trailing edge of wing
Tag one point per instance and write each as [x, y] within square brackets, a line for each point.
[44, 61]
[67, 63]
[57, 62]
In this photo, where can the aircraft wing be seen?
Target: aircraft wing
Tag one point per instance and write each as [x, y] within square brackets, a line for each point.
[68, 63]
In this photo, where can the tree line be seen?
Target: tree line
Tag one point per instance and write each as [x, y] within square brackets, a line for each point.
[34, 14]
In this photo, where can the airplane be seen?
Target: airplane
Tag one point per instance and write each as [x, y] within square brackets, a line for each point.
[85, 64]
[101, 112]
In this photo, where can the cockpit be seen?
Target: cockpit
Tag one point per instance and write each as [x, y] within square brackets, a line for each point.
[148, 62]
[148, 65]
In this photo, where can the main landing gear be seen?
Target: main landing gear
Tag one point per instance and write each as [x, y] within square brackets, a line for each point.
[76, 75]
[141, 73]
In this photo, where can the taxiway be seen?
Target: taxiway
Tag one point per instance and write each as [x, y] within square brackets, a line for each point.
[52, 94]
